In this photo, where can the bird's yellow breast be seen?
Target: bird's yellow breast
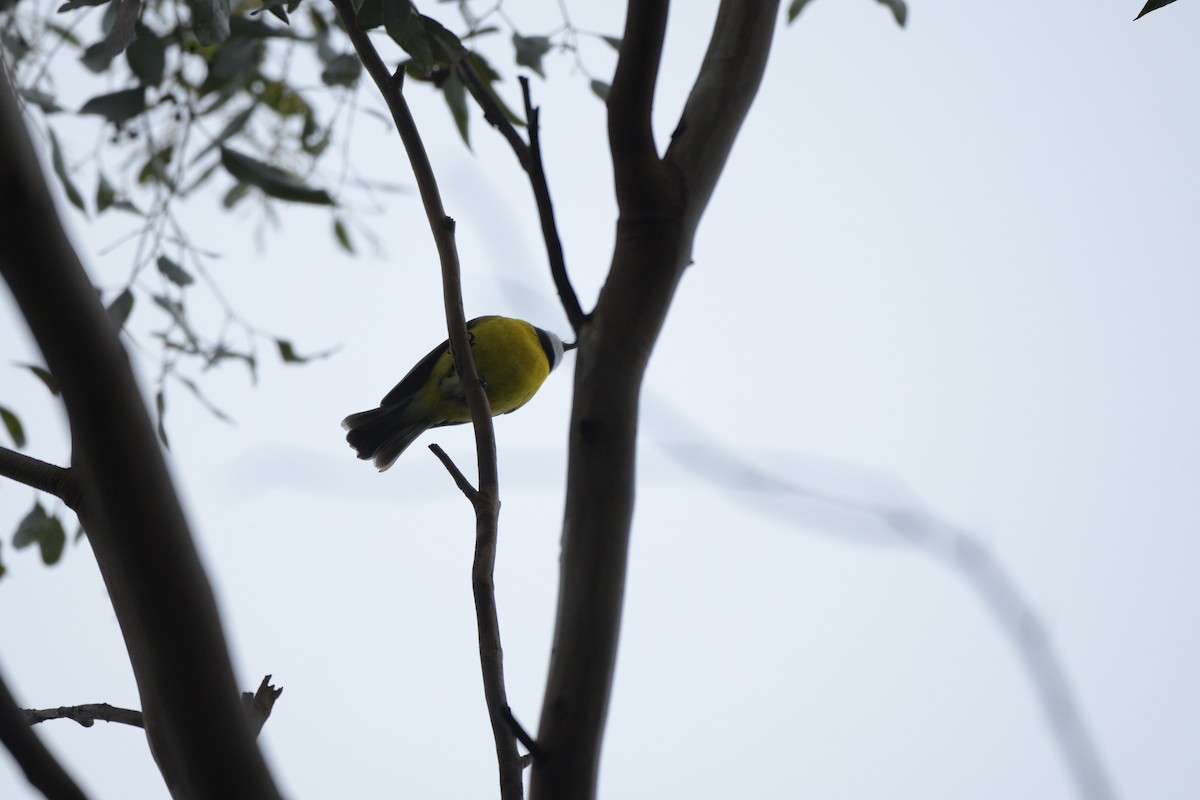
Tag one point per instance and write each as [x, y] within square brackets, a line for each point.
[510, 361]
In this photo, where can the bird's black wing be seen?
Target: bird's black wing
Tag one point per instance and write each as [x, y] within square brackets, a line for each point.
[411, 383]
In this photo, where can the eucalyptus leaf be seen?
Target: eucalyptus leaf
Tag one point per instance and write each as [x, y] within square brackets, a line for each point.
[40, 99]
[124, 29]
[120, 309]
[343, 69]
[456, 98]
[117, 107]
[531, 50]
[64, 177]
[273, 181]
[106, 195]
[210, 20]
[899, 10]
[147, 57]
[13, 424]
[174, 273]
[343, 236]
[44, 376]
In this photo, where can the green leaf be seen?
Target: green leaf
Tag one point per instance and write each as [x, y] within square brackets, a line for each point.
[288, 353]
[52, 541]
[456, 97]
[239, 192]
[794, 9]
[28, 527]
[117, 107]
[160, 405]
[403, 24]
[155, 168]
[448, 48]
[124, 29]
[615, 42]
[601, 89]
[174, 273]
[233, 127]
[283, 99]
[60, 169]
[66, 34]
[210, 20]
[342, 70]
[120, 308]
[44, 530]
[530, 50]
[272, 181]
[342, 236]
[96, 57]
[147, 56]
[105, 194]
[204, 401]
[40, 99]
[899, 10]
[1153, 5]
[43, 375]
[74, 4]
[13, 424]
[369, 13]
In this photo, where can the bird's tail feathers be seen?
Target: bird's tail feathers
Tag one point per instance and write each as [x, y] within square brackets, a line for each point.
[380, 434]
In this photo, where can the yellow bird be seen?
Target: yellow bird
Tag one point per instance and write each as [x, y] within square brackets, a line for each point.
[512, 358]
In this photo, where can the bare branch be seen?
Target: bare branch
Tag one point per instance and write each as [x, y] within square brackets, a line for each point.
[492, 111]
[725, 87]
[128, 505]
[660, 202]
[530, 158]
[641, 181]
[541, 193]
[460, 480]
[487, 500]
[40, 767]
[48, 478]
[258, 704]
[87, 714]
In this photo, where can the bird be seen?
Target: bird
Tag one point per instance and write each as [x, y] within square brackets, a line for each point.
[513, 359]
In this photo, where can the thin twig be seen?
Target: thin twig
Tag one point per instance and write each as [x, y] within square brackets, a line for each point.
[40, 475]
[258, 704]
[530, 158]
[460, 480]
[492, 111]
[487, 500]
[40, 767]
[541, 193]
[87, 714]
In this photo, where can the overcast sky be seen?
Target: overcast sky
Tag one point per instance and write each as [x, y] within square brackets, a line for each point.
[950, 273]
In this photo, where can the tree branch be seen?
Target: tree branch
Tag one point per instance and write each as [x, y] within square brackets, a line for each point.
[258, 704]
[530, 158]
[40, 767]
[729, 77]
[660, 206]
[541, 194]
[87, 714]
[136, 527]
[487, 499]
[641, 182]
[45, 477]
[460, 480]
